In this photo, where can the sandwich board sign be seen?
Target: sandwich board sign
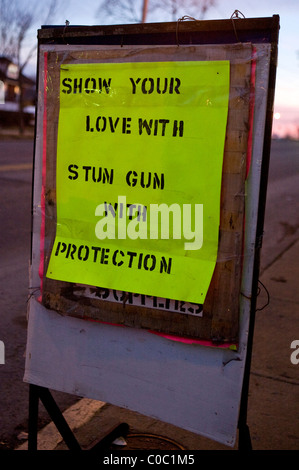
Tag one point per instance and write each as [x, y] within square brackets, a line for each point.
[146, 209]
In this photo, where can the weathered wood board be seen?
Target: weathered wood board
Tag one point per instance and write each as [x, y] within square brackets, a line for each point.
[218, 321]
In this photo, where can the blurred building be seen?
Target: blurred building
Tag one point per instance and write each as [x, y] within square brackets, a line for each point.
[10, 94]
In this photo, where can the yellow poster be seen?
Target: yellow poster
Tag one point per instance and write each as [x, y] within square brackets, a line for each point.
[139, 165]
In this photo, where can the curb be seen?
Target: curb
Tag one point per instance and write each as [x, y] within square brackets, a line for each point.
[76, 416]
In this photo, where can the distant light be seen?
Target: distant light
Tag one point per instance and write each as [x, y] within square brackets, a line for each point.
[277, 116]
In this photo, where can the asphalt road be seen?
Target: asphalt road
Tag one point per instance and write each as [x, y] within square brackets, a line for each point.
[281, 224]
[16, 158]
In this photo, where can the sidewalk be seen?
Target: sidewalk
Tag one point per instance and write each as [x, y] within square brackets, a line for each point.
[273, 404]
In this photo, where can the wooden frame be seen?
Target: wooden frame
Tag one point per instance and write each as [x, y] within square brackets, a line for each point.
[198, 388]
[219, 322]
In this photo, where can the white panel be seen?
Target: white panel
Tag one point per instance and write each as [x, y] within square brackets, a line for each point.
[194, 387]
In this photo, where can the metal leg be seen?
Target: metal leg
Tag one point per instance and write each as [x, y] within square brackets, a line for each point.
[33, 417]
[120, 430]
[37, 393]
[244, 437]
[244, 434]
[58, 419]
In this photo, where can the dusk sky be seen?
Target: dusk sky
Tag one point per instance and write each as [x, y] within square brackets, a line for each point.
[286, 108]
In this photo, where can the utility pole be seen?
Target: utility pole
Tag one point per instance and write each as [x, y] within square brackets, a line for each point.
[144, 11]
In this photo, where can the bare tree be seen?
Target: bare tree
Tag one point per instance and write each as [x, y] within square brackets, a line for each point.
[122, 11]
[132, 11]
[176, 9]
[15, 25]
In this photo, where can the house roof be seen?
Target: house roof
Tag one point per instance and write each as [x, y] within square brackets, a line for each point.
[9, 72]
